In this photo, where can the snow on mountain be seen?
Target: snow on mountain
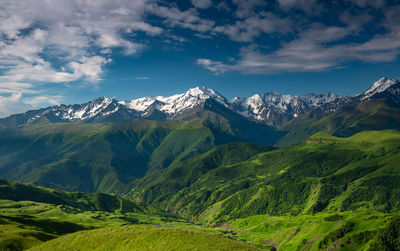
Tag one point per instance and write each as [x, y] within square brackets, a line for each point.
[271, 108]
[98, 109]
[379, 86]
[316, 100]
[140, 104]
[263, 107]
[178, 103]
[90, 109]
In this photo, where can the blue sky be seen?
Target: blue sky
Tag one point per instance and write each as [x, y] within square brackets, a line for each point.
[61, 51]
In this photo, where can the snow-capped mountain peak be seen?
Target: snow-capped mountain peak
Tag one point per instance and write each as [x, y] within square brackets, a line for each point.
[204, 92]
[199, 92]
[140, 104]
[99, 106]
[379, 86]
[271, 108]
[316, 100]
[177, 103]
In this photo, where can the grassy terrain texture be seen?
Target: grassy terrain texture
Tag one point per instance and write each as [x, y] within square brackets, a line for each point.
[30, 215]
[107, 157]
[314, 195]
[143, 237]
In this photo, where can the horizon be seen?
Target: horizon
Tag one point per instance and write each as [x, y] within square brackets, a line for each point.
[229, 100]
[66, 53]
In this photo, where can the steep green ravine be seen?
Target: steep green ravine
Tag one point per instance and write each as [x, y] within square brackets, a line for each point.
[325, 173]
[106, 157]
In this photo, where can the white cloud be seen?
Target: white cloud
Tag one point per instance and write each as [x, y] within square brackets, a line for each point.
[245, 8]
[246, 30]
[57, 41]
[310, 55]
[45, 42]
[202, 4]
[40, 101]
[16, 103]
[15, 87]
[307, 6]
[309, 46]
[214, 66]
[49, 42]
[12, 103]
[188, 19]
[223, 6]
[142, 78]
[89, 67]
[366, 3]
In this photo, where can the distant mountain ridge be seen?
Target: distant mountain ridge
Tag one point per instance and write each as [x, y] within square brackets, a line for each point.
[270, 108]
[377, 108]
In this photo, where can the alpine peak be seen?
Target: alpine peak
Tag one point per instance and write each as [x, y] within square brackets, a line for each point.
[379, 86]
[271, 108]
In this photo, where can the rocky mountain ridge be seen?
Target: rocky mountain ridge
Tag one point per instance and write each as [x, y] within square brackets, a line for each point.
[270, 108]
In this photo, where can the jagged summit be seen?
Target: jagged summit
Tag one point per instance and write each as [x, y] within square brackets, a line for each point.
[202, 92]
[274, 108]
[176, 103]
[379, 86]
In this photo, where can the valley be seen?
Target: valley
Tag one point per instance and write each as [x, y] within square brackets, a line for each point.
[274, 172]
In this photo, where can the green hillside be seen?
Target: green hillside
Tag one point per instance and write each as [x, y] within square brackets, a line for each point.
[327, 184]
[143, 237]
[375, 114]
[106, 157]
[161, 185]
[326, 193]
[30, 215]
[324, 174]
[15, 191]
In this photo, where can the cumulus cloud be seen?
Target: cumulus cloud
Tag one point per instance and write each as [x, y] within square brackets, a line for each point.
[246, 30]
[223, 6]
[45, 42]
[245, 8]
[11, 103]
[367, 3]
[314, 46]
[306, 55]
[56, 41]
[202, 4]
[214, 66]
[307, 6]
[188, 19]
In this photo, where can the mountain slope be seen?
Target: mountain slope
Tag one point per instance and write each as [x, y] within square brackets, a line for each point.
[14, 191]
[276, 109]
[143, 238]
[163, 184]
[270, 108]
[30, 215]
[106, 157]
[85, 157]
[324, 174]
[378, 108]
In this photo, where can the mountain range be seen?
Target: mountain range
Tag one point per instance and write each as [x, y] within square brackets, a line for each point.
[270, 108]
[278, 171]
